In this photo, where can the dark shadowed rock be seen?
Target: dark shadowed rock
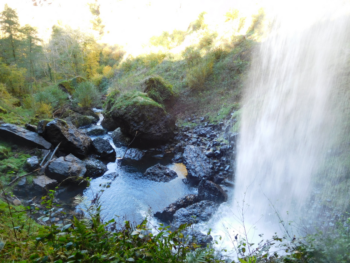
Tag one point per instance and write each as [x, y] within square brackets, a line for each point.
[30, 127]
[103, 148]
[19, 135]
[167, 214]
[197, 164]
[94, 168]
[72, 140]
[95, 131]
[208, 190]
[64, 167]
[198, 212]
[32, 163]
[109, 124]
[134, 154]
[160, 173]
[119, 139]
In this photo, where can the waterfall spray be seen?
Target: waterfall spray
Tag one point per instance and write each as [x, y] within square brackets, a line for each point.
[289, 116]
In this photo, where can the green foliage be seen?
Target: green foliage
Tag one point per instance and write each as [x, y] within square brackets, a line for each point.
[169, 40]
[158, 89]
[231, 15]
[207, 40]
[52, 95]
[71, 84]
[87, 95]
[197, 75]
[13, 77]
[198, 23]
[131, 98]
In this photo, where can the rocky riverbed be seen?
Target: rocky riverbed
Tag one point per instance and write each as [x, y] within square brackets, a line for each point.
[131, 183]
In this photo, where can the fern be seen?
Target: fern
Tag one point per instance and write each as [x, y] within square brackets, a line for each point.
[197, 256]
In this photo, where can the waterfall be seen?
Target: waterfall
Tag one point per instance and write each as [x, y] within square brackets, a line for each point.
[290, 114]
[293, 109]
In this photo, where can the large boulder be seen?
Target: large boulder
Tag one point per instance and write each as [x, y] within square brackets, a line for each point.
[198, 212]
[94, 168]
[134, 154]
[197, 164]
[208, 190]
[72, 140]
[64, 167]
[103, 148]
[160, 173]
[167, 214]
[138, 115]
[159, 90]
[119, 139]
[19, 135]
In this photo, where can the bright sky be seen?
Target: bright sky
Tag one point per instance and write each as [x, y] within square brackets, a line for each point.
[129, 22]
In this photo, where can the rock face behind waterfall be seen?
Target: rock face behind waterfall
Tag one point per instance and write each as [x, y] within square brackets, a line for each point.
[208, 190]
[72, 140]
[23, 136]
[197, 164]
[137, 114]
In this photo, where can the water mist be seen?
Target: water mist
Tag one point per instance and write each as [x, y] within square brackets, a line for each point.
[290, 117]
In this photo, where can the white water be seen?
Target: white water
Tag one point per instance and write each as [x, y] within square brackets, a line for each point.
[289, 117]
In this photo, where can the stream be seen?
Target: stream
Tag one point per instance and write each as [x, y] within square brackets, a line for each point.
[128, 196]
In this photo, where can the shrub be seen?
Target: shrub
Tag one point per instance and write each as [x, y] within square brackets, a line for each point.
[87, 95]
[191, 55]
[197, 75]
[231, 15]
[207, 40]
[108, 72]
[198, 23]
[97, 79]
[44, 110]
[51, 95]
[152, 59]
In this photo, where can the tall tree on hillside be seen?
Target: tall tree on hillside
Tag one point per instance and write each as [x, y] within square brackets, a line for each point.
[31, 48]
[10, 27]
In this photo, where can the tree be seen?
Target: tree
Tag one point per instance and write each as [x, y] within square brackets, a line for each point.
[10, 26]
[30, 47]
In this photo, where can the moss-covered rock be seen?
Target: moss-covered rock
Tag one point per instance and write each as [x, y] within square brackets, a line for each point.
[137, 114]
[3, 152]
[77, 119]
[159, 90]
[70, 85]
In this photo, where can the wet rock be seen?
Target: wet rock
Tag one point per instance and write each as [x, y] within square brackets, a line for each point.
[167, 214]
[177, 158]
[64, 167]
[30, 127]
[41, 126]
[32, 163]
[42, 183]
[218, 179]
[198, 212]
[196, 237]
[110, 176]
[208, 190]
[22, 136]
[197, 164]
[134, 154]
[160, 173]
[95, 131]
[137, 114]
[94, 168]
[103, 148]
[79, 120]
[72, 140]
[119, 139]
[108, 123]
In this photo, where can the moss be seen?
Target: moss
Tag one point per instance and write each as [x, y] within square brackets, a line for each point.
[2, 110]
[3, 152]
[158, 89]
[134, 98]
[71, 84]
